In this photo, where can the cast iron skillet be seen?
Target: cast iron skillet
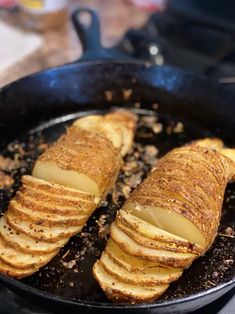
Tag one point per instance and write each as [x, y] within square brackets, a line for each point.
[45, 102]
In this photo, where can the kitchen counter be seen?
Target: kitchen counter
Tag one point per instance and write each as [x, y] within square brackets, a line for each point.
[60, 47]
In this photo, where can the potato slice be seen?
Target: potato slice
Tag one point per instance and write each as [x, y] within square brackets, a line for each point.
[16, 272]
[149, 243]
[170, 221]
[97, 124]
[27, 200]
[229, 153]
[56, 190]
[49, 171]
[150, 236]
[125, 260]
[163, 199]
[77, 160]
[122, 292]
[162, 257]
[127, 123]
[41, 233]
[152, 232]
[118, 127]
[54, 199]
[23, 243]
[149, 276]
[210, 143]
[172, 217]
[44, 219]
[69, 180]
[14, 258]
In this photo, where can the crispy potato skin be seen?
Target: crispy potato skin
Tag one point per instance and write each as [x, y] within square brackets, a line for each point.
[125, 293]
[83, 151]
[43, 215]
[179, 188]
[142, 228]
[150, 243]
[189, 181]
[131, 247]
[56, 190]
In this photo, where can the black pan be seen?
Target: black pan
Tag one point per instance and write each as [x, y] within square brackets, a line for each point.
[41, 105]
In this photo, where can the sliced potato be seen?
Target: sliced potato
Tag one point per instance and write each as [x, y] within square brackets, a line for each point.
[54, 199]
[118, 127]
[150, 243]
[23, 243]
[148, 276]
[69, 180]
[98, 125]
[43, 219]
[122, 292]
[14, 258]
[26, 200]
[49, 171]
[41, 233]
[127, 123]
[150, 236]
[170, 221]
[161, 200]
[16, 272]
[152, 232]
[228, 152]
[77, 160]
[164, 258]
[210, 143]
[125, 260]
[56, 190]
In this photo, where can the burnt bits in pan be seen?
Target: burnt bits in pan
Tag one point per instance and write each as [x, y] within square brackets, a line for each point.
[69, 274]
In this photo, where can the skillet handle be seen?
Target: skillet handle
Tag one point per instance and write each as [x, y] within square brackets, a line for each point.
[87, 26]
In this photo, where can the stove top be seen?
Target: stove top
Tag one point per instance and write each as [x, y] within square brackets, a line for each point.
[177, 39]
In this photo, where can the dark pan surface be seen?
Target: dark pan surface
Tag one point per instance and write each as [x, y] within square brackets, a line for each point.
[69, 275]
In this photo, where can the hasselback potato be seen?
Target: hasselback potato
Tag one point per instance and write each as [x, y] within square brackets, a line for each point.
[68, 182]
[168, 221]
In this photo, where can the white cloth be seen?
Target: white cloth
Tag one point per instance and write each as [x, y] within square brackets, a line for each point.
[16, 45]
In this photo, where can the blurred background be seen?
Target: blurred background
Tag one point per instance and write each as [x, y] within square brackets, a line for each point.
[196, 35]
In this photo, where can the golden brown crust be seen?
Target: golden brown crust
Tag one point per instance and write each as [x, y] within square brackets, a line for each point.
[161, 257]
[192, 200]
[127, 122]
[85, 152]
[188, 184]
[25, 243]
[122, 292]
[148, 276]
[165, 237]
[51, 207]
[44, 215]
[23, 249]
[55, 190]
[15, 272]
[15, 258]
[43, 219]
[53, 199]
[125, 260]
[153, 244]
[40, 233]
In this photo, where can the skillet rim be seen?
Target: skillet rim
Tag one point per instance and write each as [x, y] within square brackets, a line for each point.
[119, 62]
[104, 305]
